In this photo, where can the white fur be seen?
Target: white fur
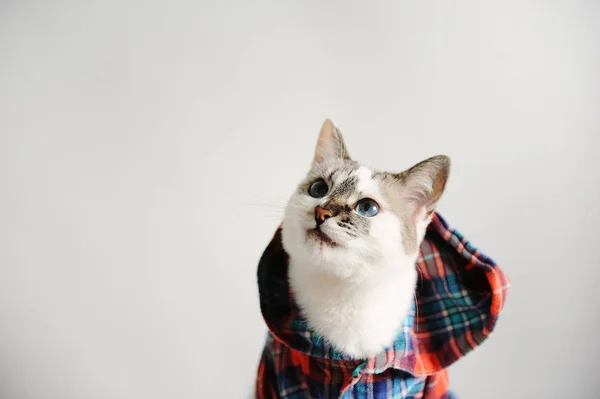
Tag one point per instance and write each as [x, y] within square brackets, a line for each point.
[356, 294]
[366, 185]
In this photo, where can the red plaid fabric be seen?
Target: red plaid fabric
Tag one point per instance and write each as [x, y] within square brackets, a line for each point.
[459, 297]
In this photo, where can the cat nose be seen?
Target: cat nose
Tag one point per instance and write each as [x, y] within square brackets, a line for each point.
[322, 214]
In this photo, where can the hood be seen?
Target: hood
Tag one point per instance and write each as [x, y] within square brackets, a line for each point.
[459, 296]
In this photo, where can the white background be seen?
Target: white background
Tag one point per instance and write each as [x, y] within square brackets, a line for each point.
[146, 150]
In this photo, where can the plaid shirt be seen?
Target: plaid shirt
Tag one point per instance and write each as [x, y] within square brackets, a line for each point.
[459, 296]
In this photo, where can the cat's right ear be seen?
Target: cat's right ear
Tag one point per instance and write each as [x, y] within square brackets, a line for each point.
[424, 183]
[330, 145]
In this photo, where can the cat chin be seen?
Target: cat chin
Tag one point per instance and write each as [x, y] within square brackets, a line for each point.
[336, 262]
[329, 255]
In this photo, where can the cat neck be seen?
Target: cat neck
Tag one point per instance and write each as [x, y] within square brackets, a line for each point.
[359, 316]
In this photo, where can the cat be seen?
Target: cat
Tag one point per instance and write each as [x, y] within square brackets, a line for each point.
[353, 235]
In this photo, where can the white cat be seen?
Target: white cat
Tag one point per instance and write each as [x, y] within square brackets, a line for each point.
[353, 236]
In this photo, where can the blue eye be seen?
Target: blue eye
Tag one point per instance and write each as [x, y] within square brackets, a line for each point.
[318, 189]
[367, 207]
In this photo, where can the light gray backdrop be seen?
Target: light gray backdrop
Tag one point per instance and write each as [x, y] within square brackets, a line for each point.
[146, 149]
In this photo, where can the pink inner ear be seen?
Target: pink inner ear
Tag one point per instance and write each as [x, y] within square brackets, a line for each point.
[422, 210]
[434, 172]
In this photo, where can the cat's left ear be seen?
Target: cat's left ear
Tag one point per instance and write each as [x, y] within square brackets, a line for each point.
[424, 183]
[330, 145]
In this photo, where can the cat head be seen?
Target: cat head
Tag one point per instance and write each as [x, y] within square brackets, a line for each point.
[345, 218]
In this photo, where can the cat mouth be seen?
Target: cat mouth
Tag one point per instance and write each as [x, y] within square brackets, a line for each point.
[317, 235]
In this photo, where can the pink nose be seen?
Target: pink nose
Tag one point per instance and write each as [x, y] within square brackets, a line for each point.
[322, 214]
